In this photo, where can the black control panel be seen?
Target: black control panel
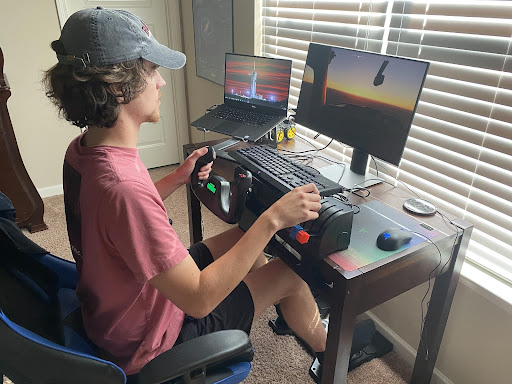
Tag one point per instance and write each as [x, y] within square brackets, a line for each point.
[314, 239]
[225, 199]
[244, 199]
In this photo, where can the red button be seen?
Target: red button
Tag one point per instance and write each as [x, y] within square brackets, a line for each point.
[302, 237]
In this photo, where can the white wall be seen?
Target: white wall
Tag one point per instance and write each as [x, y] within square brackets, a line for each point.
[477, 339]
[202, 93]
[26, 30]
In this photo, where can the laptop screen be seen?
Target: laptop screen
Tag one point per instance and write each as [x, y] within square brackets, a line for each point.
[260, 81]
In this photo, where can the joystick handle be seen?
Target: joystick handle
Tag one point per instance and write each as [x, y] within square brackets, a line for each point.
[208, 157]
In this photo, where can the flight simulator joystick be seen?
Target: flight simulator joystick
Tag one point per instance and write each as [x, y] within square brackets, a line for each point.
[226, 200]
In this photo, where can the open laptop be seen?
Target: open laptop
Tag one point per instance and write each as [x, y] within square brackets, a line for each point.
[255, 97]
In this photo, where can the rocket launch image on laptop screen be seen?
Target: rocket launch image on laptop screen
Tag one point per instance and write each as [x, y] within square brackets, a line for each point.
[258, 81]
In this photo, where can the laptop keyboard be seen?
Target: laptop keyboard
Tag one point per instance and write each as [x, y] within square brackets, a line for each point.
[242, 116]
[282, 172]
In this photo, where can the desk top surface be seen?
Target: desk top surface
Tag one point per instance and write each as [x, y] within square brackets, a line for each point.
[373, 218]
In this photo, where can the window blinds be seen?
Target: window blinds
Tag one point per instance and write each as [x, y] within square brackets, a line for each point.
[459, 151]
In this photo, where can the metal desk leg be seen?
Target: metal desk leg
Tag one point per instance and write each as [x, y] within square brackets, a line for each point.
[438, 311]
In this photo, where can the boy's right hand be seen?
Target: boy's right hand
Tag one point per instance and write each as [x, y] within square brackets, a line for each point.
[297, 206]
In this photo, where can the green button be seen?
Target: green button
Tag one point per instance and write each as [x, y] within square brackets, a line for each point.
[211, 187]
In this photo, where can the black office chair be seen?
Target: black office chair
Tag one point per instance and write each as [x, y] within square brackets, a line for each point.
[42, 338]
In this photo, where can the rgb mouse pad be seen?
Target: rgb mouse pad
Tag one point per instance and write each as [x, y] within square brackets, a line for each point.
[373, 218]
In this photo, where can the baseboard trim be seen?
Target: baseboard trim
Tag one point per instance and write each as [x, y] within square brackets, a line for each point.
[53, 190]
[404, 350]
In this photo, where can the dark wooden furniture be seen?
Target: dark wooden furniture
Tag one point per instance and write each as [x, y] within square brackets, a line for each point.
[15, 182]
[354, 292]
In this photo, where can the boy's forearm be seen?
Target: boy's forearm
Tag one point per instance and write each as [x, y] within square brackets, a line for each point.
[168, 184]
[221, 277]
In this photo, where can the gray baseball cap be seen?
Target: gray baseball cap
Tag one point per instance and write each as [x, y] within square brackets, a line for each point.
[99, 36]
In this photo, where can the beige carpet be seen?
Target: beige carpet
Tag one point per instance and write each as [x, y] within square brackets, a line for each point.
[278, 359]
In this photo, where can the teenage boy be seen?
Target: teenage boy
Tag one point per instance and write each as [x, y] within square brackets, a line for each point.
[141, 290]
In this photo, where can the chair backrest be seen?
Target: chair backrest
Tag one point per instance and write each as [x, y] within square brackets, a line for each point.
[28, 288]
[38, 316]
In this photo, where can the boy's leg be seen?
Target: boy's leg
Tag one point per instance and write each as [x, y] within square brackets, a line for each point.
[223, 242]
[276, 283]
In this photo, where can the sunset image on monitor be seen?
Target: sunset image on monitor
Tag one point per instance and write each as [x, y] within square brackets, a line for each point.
[363, 99]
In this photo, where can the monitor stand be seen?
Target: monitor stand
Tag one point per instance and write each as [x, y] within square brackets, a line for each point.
[357, 175]
[341, 174]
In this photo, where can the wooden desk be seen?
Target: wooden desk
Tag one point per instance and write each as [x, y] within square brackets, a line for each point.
[354, 292]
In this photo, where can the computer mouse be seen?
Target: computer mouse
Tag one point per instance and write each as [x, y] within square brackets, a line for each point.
[393, 238]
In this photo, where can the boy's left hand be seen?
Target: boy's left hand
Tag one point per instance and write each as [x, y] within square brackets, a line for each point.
[184, 171]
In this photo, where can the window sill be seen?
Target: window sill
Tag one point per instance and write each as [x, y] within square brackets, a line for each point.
[494, 290]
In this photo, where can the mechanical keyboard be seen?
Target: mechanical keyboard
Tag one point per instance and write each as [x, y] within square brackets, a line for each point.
[282, 172]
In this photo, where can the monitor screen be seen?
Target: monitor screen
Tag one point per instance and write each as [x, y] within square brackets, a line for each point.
[362, 99]
[257, 80]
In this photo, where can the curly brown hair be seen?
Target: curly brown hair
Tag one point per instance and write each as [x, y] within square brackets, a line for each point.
[88, 96]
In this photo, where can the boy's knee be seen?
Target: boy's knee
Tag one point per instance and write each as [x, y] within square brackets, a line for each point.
[294, 282]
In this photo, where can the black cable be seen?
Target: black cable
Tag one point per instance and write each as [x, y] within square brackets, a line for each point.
[373, 179]
[308, 150]
[383, 181]
[302, 138]
[343, 171]
[344, 200]
[302, 156]
[445, 218]
[354, 191]
[400, 181]
[299, 156]
[330, 161]
[423, 317]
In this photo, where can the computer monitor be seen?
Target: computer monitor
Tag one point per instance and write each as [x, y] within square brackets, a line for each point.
[362, 99]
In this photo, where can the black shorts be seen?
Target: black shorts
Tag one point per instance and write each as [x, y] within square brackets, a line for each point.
[236, 311]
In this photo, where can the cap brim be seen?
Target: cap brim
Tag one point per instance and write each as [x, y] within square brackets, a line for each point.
[164, 56]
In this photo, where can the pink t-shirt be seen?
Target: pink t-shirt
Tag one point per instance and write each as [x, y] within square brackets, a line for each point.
[120, 237]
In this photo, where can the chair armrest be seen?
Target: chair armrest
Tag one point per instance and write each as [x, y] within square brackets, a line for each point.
[212, 350]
